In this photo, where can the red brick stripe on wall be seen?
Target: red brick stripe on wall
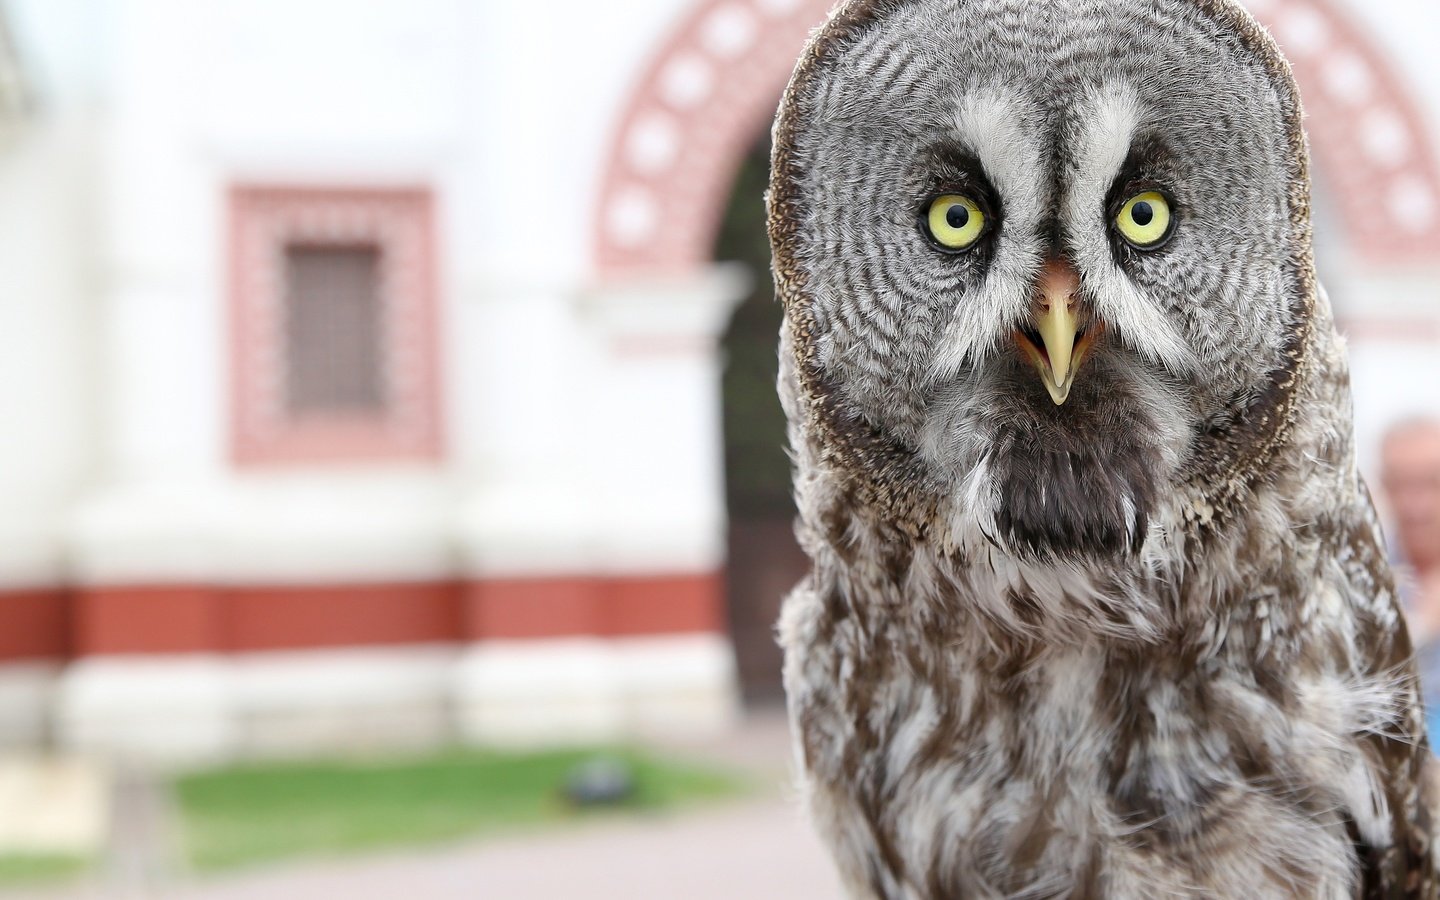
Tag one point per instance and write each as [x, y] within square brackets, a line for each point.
[601, 607]
[533, 607]
[275, 618]
[147, 619]
[669, 605]
[223, 619]
[34, 625]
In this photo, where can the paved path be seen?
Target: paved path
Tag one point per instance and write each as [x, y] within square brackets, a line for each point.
[751, 851]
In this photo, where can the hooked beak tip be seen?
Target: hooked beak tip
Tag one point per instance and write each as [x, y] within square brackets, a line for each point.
[1058, 392]
[1057, 325]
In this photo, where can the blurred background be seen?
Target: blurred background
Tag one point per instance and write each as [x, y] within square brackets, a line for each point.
[391, 456]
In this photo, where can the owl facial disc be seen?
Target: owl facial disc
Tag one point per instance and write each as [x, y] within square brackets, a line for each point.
[1059, 321]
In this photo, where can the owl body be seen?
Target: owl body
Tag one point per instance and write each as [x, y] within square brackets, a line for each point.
[969, 726]
[1099, 605]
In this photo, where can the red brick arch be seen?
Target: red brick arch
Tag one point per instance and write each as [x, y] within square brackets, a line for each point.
[710, 89]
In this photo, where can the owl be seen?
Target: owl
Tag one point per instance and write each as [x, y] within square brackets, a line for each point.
[1099, 605]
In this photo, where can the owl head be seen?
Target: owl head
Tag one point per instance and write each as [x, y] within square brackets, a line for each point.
[1044, 264]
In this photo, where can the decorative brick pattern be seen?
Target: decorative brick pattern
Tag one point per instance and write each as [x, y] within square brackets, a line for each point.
[285, 407]
[711, 88]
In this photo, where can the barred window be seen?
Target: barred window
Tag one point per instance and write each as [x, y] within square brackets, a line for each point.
[333, 329]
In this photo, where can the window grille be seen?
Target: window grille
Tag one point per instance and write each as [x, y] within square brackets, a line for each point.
[333, 329]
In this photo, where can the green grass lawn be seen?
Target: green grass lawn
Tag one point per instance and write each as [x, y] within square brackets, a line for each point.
[261, 812]
[26, 869]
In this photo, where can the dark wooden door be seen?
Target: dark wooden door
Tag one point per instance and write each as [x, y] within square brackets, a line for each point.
[764, 561]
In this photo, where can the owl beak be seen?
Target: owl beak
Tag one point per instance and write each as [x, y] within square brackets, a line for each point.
[1059, 324]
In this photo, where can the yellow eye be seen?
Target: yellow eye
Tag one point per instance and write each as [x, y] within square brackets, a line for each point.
[1144, 220]
[955, 222]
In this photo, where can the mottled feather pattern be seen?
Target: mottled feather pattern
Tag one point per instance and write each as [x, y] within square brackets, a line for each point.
[1142, 645]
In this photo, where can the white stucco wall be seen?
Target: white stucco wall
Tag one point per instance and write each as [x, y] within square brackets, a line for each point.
[48, 313]
[505, 114]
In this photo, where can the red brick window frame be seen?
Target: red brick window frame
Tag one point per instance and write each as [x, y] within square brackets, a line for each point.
[272, 231]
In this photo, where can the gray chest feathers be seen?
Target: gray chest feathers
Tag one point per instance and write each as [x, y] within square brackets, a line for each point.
[1077, 772]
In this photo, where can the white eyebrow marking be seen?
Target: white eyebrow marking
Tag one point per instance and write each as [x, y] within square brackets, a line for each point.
[995, 126]
[1110, 130]
[1002, 131]
[1105, 128]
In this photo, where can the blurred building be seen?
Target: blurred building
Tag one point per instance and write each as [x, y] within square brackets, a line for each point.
[366, 361]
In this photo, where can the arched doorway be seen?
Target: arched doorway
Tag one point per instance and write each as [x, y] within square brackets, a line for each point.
[684, 168]
[711, 88]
